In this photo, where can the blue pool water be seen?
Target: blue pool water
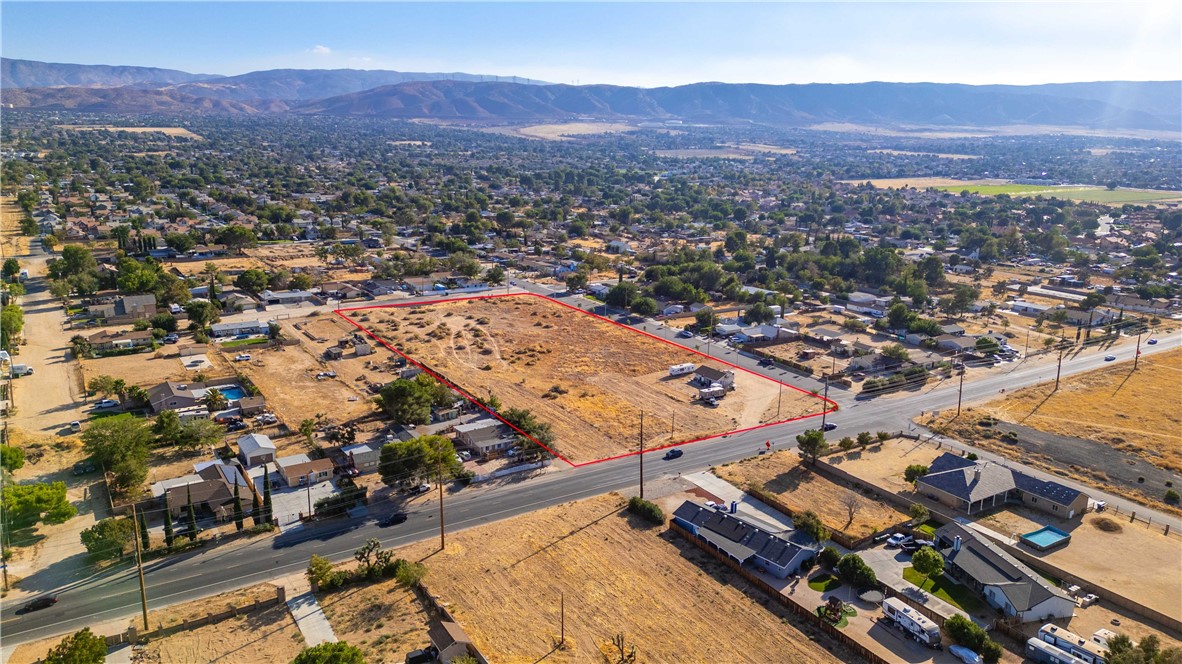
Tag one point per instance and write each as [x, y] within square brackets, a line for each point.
[232, 392]
[1046, 537]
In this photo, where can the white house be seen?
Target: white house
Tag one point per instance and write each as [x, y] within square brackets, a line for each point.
[240, 327]
[255, 448]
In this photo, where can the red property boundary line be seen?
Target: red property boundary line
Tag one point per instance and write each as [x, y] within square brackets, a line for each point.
[342, 313]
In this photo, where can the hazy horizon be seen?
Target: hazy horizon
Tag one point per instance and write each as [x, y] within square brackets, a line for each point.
[636, 44]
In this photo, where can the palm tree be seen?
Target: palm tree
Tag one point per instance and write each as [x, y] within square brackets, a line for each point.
[80, 346]
[137, 395]
[119, 388]
[214, 400]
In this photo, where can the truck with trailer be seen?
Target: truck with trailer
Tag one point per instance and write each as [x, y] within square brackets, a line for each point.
[682, 369]
[22, 370]
[912, 622]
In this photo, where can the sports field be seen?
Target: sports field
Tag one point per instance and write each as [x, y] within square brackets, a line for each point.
[588, 377]
[1086, 194]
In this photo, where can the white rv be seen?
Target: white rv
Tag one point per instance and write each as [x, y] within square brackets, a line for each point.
[682, 369]
[918, 626]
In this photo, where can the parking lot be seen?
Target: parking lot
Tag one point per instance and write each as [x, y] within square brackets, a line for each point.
[287, 504]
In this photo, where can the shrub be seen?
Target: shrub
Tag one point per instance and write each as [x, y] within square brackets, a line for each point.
[646, 510]
[323, 575]
[971, 456]
[846, 444]
[853, 570]
[883, 436]
[81, 647]
[337, 652]
[914, 472]
[829, 557]
[1172, 497]
[810, 524]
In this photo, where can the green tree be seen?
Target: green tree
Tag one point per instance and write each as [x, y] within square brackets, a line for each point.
[120, 445]
[337, 652]
[495, 275]
[12, 268]
[706, 319]
[180, 242]
[853, 570]
[142, 522]
[12, 321]
[214, 400]
[236, 238]
[928, 562]
[864, 439]
[301, 281]
[237, 508]
[812, 444]
[169, 534]
[254, 281]
[829, 557]
[622, 295]
[308, 430]
[406, 402]
[895, 352]
[267, 515]
[102, 385]
[810, 524]
[576, 280]
[202, 314]
[988, 345]
[1092, 300]
[197, 433]
[644, 306]
[108, 538]
[190, 515]
[759, 313]
[919, 513]
[915, 471]
[163, 321]
[27, 504]
[81, 647]
[847, 443]
[321, 573]
[167, 427]
[416, 459]
[11, 458]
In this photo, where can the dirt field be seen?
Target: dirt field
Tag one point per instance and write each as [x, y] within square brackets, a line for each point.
[706, 153]
[289, 256]
[385, 620]
[884, 465]
[782, 474]
[503, 583]
[1149, 576]
[150, 368]
[563, 132]
[167, 131]
[231, 265]
[588, 378]
[922, 183]
[286, 375]
[12, 243]
[926, 154]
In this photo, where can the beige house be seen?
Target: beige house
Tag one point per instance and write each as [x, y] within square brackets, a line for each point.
[298, 469]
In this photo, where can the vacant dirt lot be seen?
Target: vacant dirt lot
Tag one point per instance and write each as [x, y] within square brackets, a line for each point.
[1150, 576]
[588, 378]
[884, 464]
[781, 473]
[384, 619]
[151, 368]
[923, 183]
[503, 583]
[231, 265]
[167, 131]
[286, 376]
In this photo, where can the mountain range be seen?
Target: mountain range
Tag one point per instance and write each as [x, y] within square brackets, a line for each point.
[392, 94]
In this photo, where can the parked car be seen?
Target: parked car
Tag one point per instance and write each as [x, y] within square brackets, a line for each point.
[898, 539]
[422, 488]
[393, 519]
[829, 426]
[465, 455]
[674, 453]
[42, 602]
[1152, 341]
[83, 467]
[236, 426]
[75, 426]
[964, 654]
[1109, 358]
[326, 374]
[242, 357]
[171, 338]
[105, 403]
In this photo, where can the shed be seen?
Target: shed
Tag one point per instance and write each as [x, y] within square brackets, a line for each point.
[255, 448]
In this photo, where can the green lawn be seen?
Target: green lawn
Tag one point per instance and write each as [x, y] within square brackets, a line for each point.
[929, 528]
[244, 342]
[1090, 194]
[944, 588]
[824, 582]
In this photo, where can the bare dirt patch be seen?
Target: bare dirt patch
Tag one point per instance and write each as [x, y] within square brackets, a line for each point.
[230, 265]
[383, 619]
[706, 153]
[13, 243]
[782, 474]
[522, 348]
[503, 583]
[923, 182]
[883, 465]
[167, 131]
[563, 131]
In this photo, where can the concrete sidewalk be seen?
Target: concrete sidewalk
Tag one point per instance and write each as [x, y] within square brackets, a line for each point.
[309, 617]
[750, 509]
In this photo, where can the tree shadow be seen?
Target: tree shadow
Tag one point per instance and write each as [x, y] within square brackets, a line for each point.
[72, 573]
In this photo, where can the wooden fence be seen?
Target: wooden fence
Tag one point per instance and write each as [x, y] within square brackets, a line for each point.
[804, 613]
[132, 635]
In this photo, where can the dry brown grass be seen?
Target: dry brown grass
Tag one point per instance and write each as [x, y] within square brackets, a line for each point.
[707, 153]
[782, 474]
[924, 182]
[1133, 411]
[520, 348]
[167, 131]
[503, 583]
[13, 243]
[230, 265]
[927, 154]
[563, 131]
[384, 619]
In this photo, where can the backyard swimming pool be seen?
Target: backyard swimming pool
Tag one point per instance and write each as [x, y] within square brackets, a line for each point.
[231, 392]
[1046, 538]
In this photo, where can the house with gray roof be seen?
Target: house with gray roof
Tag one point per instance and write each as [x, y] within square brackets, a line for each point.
[973, 486]
[1004, 582]
[742, 542]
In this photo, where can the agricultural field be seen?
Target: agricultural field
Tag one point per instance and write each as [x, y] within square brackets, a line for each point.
[564, 131]
[782, 474]
[949, 184]
[590, 379]
[926, 154]
[616, 575]
[167, 131]
[1086, 194]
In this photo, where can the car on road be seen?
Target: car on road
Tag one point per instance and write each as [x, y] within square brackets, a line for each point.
[674, 453]
[242, 357]
[171, 338]
[685, 334]
[393, 519]
[512, 282]
[1152, 341]
[766, 362]
[42, 602]
[105, 403]
[1109, 358]
[828, 426]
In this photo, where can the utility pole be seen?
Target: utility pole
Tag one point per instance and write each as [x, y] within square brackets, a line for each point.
[779, 394]
[960, 391]
[139, 563]
[1059, 368]
[3, 527]
[642, 455]
[672, 425]
[561, 620]
[1026, 350]
[1137, 357]
[309, 492]
[439, 481]
[824, 406]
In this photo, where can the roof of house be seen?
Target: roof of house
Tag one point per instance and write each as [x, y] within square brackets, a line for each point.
[737, 537]
[445, 634]
[362, 448]
[171, 389]
[990, 566]
[251, 402]
[108, 336]
[711, 373]
[219, 327]
[477, 425]
[297, 465]
[973, 480]
[255, 442]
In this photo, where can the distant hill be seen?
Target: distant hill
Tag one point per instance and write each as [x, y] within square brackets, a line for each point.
[309, 84]
[1103, 105]
[32, 74]
[391, 94]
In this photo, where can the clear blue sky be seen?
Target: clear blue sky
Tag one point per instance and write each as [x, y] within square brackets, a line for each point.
[623, 43]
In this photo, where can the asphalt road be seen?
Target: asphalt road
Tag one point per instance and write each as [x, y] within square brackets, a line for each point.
[208, 572]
